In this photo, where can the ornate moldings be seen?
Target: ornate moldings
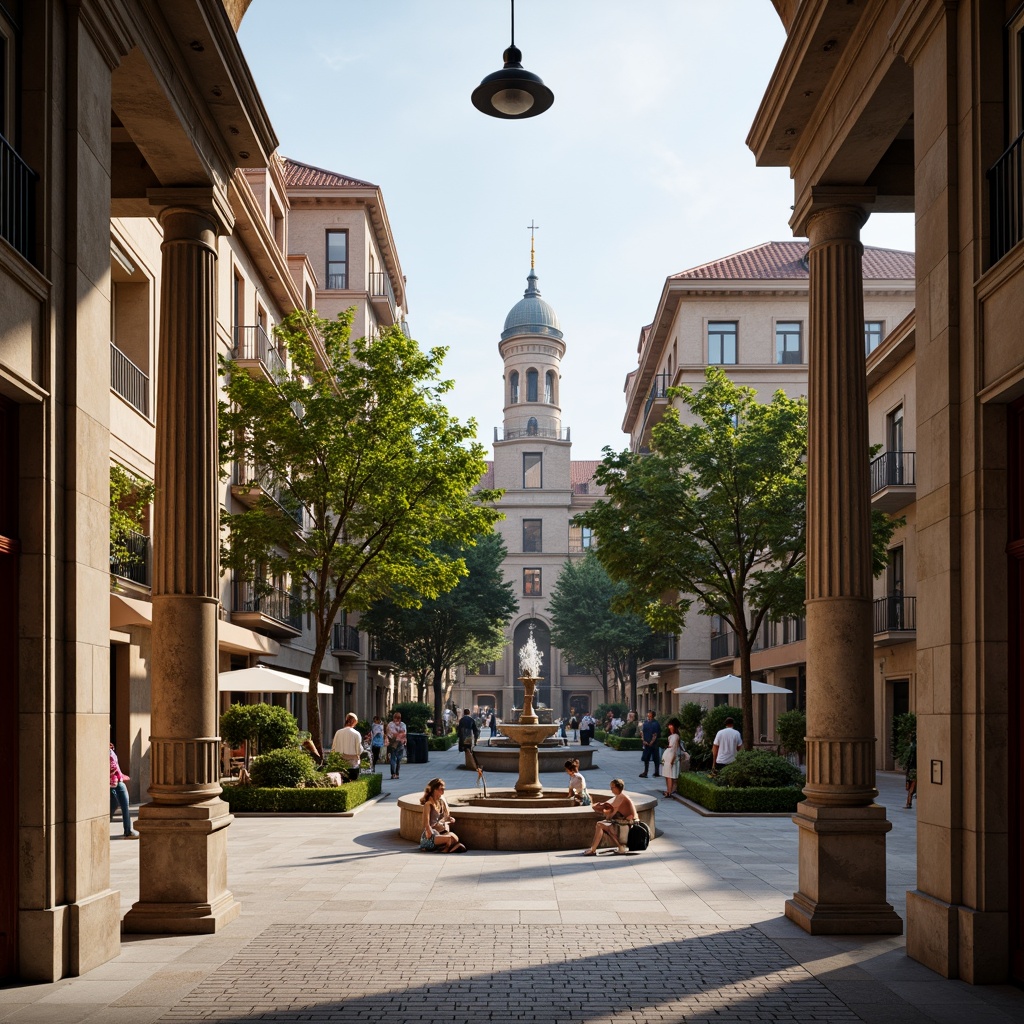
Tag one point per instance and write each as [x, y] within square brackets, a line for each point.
[185, 770]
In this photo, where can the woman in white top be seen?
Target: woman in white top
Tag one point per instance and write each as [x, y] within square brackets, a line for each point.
[577, 784]
[671, 755]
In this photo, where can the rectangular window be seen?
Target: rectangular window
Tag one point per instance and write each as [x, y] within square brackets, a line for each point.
[532, 535]
[788, 344]
[872, 335]
[581, 539]
[576, 669]
[488, 668]
[533, 475]
[337, 260]
[722, 342]
[531, 582]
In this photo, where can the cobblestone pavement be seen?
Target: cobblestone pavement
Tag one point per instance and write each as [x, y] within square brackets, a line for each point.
[343, 921]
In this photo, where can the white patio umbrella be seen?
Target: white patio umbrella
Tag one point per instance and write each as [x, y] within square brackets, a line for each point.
[261, 679]
[729, 684]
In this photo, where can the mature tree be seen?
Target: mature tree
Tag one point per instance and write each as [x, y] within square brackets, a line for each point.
[587, 628]
[463, 626]
[714, 515]
[362, 471]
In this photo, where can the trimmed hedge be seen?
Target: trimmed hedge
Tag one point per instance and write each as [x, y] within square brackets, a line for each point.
[728, 800]
[621, 742]
[309, 801]
[442, 742]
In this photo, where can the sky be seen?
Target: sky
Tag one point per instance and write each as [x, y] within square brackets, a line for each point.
[638, 171]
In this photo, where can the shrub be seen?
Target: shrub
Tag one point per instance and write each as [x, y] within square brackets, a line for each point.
[725, 800]
[623, 742]
[714, 721]
[791, 728]
[442, 742]
[287, 767]
[753, 768]
[618, 711]
[308, 801]
[690, 715]
[904, 740]
[414, 714]
[261, 725]
[628, 729]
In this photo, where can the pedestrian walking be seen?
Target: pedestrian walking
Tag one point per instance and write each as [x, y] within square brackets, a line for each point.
[119, 795]
[650, 731]
[727, 744]
[672, 757]
[397, 734]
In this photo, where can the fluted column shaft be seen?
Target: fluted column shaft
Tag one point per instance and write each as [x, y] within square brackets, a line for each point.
[185, 547]
[840, 720]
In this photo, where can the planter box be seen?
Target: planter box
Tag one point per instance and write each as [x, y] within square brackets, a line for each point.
[735, 800]
[303, 801]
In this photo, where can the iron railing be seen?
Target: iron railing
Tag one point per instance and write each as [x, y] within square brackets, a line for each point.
[1006, 200]
[384, 650]
[17, 201]
[252, 343]
[892, 469]
[895, 614]
[345, 638]
[546, 432]
[659, 389]
[725, 645]
[248, 475]
[379, 286]
[130, 382]
[274, 603]
[133, 560]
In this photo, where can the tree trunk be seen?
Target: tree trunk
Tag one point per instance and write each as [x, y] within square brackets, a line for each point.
[438, 671]
[312, 704]
[632, 680]
[746, 696]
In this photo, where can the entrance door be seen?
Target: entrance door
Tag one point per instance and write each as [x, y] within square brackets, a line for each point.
[1015, 680]
[9, 690]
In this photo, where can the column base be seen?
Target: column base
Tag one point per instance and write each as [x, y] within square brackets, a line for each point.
[842, 872]
[182, 870]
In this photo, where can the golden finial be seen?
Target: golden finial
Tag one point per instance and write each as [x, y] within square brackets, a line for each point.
[533, 227]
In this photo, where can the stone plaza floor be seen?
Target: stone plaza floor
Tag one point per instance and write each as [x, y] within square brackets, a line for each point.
[343, 921]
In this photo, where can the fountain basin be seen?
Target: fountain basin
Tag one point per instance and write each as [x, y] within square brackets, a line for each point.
[505, 758]
[506, 822]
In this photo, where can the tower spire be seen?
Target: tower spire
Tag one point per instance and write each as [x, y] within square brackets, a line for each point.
[533, 227]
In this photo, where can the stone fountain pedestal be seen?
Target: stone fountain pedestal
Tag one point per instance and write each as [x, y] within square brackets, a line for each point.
[528, 735]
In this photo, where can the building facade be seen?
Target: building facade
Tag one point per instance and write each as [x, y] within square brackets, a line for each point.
[748, 314]
[544, 489]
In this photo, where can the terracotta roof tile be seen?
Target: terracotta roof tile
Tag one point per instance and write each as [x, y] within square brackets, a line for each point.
[782, 261]
[300, 175]
[581, 471]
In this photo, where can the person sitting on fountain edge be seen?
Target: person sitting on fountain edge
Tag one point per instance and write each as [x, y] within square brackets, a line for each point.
[577, 784]
[437, 820]
[619, 813]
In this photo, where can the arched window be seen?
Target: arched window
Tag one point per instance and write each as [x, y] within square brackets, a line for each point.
[549, 387]
[531, 426]
[513, 385]
[531, 385]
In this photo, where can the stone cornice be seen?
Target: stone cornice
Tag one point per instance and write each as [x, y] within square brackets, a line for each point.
[109, 29]
[914, 24]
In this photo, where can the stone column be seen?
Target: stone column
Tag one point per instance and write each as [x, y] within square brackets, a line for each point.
[183, 844]
[842, 830]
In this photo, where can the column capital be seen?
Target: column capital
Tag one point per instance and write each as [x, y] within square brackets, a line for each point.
[206, 199]
[819, 199]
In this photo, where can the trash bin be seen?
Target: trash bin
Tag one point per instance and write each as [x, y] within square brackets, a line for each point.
[416, 748]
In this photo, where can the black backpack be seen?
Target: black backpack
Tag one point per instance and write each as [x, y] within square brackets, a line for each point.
[638, 837]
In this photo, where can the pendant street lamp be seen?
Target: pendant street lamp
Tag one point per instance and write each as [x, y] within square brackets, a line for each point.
[513, 92]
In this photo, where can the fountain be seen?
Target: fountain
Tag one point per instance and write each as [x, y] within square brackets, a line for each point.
[525, 818]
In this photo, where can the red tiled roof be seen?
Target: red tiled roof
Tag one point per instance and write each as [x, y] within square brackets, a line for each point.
[487, 480]
[782, 261]
[581, 471]
[300, 175]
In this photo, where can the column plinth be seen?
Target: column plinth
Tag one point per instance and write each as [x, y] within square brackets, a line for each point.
[183, 838]
[842, 831]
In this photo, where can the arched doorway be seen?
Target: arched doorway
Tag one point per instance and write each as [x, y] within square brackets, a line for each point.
[542, 638]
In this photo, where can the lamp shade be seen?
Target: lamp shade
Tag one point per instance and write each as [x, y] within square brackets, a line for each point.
[513, 92]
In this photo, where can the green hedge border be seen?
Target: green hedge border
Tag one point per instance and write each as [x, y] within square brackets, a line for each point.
[621, 742]
[335, 800]
[728, 800]
[442, 742]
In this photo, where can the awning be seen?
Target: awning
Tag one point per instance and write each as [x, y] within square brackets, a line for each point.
[729, 684]
[260, 679]
[133, 611]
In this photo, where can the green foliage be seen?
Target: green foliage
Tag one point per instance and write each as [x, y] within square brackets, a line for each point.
[629, 729]
[624, 742]
[587, 628]
[353, 440]
[263, 726]
[286, 767]
[904, 740]
[335, 800]
[761, 768]
[691, 714]
[334, 762]
[464, 625]
[442, 742]
[714, 721]
[791, 728]
[724, 800]
[618, 710]
[130, 496]
[414, 713]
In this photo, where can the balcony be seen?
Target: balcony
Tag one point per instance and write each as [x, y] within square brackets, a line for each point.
[133, 559]
[383, 652]
[253, 484]
[270, 611]
[128, 381]
[547, 433]
[1006, 201]
[344, 640]
[656, 404]
[662, 654]
[382, 296]
[17, 201]
[256, 354]
[895, 620]
[724, 647]
[893, 485]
